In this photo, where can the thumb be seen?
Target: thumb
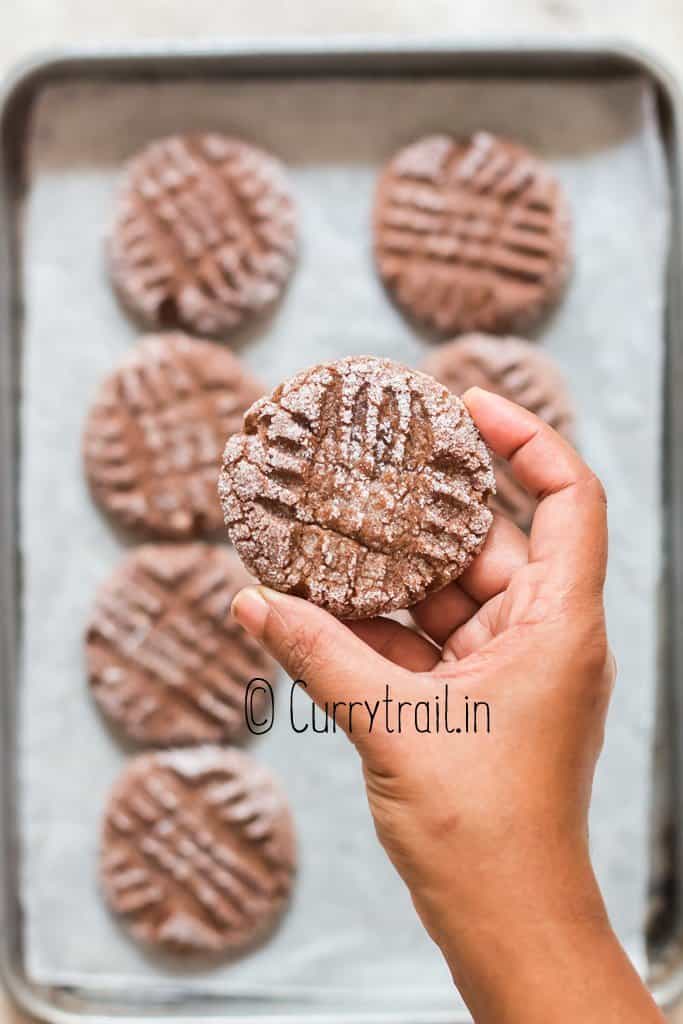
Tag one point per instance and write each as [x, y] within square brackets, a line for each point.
[313, 646]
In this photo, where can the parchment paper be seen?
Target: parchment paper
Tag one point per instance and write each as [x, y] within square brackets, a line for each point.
[351, 927]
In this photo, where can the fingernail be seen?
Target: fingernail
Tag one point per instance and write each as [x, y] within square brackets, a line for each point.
[250, 609]
[474, 392]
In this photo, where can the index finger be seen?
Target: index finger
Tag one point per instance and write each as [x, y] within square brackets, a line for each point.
[569, 531]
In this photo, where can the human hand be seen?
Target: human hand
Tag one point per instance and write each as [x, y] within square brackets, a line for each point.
[489, 829]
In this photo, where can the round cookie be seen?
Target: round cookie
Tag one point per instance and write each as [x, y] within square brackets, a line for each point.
[166, 662]
[471, 234]
[516, 370]
[358, 484]
[204, 234]
[153, 437]
[197, 850]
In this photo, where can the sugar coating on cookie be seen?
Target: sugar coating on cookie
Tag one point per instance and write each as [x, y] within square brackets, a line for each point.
[359, 484]
[517, 370]
[471, 234]
[153, 437]
[204, 233]
[167, 664]
[197, 850]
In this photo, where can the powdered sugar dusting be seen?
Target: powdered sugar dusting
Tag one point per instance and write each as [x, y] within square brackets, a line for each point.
[198, 849]
[471, 234]
[166, 662]
[204, 234]
[359, 484]
[153, 437]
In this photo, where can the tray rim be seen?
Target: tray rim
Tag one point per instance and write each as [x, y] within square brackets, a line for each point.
[310, 56]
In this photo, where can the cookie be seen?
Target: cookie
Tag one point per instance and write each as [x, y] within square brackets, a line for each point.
[516, 370]
[153, 437]
[358, 484]
[166, 662]
[204, 233]
[197, 850]
[471, 234]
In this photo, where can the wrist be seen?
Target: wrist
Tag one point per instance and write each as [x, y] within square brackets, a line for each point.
[508, 887]
[525, 946]
[509, 905]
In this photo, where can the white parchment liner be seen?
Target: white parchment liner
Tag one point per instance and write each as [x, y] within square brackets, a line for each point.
[351, 926]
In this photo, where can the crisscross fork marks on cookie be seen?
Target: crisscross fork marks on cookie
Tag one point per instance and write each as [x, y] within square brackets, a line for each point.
[154, 436]
[519, 371]
[204, 234]
[166, 662]
[197, 849]
[357, 484]
[471, 234]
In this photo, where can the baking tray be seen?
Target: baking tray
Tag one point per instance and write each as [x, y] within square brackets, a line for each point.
[302, 61]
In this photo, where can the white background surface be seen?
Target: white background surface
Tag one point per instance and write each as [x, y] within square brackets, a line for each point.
[27, 25]
[32, 24]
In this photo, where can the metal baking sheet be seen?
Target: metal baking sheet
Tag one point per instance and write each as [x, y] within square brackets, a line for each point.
[351, 938]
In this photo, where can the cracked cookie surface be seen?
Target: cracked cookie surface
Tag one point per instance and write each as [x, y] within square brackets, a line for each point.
[359, 484]
[197, 851]
[204, 234]
[471, 234]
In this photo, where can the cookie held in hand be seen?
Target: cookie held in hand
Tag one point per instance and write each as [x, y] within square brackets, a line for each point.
[359, 484]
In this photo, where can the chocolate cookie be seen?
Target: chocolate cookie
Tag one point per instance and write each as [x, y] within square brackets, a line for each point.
[519, 371]
[358, 484]
[198, 850]
[166, 662]
[154, 435]
[204, 233]
[471, 234]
